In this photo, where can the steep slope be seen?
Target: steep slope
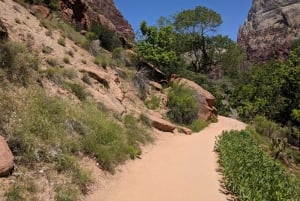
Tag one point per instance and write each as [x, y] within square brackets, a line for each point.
[270, 29]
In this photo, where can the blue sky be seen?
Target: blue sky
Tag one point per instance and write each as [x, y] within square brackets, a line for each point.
[233, 12]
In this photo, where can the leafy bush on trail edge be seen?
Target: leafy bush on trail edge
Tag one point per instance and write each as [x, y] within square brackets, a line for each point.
[250, 173]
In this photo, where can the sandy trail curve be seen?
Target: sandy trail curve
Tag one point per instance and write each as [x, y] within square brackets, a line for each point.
[176, 168]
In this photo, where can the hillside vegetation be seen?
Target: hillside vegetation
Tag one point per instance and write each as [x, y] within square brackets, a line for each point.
[66, 96]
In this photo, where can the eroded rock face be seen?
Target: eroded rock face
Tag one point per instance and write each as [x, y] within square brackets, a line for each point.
[205, 99]
[270, 29]
[6, 158]
[104, 12]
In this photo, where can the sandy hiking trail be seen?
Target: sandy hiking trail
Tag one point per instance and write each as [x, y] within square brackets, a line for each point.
[176, 168]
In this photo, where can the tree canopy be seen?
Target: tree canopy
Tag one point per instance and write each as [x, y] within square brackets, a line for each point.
[189, 34]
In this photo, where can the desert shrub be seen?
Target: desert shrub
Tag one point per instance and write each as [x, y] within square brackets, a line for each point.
[81, 178]
[109, 38]
[66, 192]
[135, 133]
[15, 193]
[86, 79]
[54, 74]
[61, 41]
[40, 126]
[198, 125]
[106, 139]
[17, 62]
[252, 174]
[145, 120]
[153, 102]
[182, 104]
[78, 90]
[53, 4]
[264, 126]
[68, 30]
[141, 82]
[66, 60]
[47, 49]
[52, 62]
[69, 73]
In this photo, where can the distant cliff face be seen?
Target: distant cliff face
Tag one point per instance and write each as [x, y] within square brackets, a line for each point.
[270, 29]
[104, 12]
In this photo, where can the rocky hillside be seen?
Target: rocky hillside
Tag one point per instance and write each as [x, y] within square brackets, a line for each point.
[270, 29]
[64, 100]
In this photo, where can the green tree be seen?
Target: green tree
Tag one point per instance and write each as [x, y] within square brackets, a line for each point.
[196, 24]
[157, 46]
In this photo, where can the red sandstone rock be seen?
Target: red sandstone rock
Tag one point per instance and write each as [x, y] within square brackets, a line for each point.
[6, 158]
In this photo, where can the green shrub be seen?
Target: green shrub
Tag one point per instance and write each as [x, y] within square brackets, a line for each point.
[109, 39]
[78, 90]
[70, 73]
[40, 126]
[198, 125]
[81, 178]
[145, 120]
[54, 74]
[66, 192]
[52, 62]
[47, 49]
[106, 139]
[66, 60]
[62, 41]
[17, 62]
[135, 133]
[182, 103]
[265, 127]
[153, 103]
[252, 174]
[15, 193]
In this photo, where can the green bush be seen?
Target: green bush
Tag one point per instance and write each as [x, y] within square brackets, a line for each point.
[17, 62]
[40, 125]
[66, 192]
[109, 38]
[61, 41]
[198, 125]
[78, 90]
[182, 103]
[252, 174]
[153, 102]
[265, 127]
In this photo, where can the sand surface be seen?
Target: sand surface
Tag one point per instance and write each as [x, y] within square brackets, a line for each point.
[176, 168]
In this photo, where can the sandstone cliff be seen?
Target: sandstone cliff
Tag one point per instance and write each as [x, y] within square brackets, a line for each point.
[104, 12]
[270, 29]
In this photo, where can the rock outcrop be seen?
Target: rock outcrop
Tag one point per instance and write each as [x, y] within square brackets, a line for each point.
[162, 124]
[205, 99]
[270, 29]
[104, 12]
[6, 158]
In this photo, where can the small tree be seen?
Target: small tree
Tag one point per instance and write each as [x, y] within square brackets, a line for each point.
[196, 24]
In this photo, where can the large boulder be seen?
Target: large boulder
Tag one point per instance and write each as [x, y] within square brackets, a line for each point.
[162, 124]
[205, 99]
[6, 158]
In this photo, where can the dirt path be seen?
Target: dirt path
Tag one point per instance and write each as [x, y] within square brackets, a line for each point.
[176, 168]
